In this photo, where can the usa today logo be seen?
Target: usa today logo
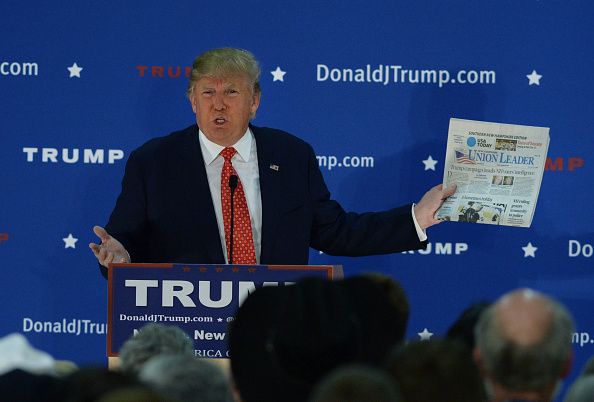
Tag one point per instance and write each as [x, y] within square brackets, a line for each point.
[481, 142]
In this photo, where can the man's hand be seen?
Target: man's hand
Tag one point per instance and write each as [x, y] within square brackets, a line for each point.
[110, 250]
[426, 208]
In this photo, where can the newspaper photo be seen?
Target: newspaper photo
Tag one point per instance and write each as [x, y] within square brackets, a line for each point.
[498, 170]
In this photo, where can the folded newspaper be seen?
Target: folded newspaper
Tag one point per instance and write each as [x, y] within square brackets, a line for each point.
[498, 170]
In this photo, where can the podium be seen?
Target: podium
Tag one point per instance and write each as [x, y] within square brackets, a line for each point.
[200, 299]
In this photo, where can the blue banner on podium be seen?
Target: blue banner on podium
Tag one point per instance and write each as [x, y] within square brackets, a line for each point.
[199, 299]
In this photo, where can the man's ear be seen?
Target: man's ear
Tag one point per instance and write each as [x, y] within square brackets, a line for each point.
[193, 103]
[477, 356]
[255, 102]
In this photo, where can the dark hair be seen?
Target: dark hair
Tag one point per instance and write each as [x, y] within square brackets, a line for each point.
[436, 371]
[285, 339]
[356, 383]
[91, 383]
[463, 328]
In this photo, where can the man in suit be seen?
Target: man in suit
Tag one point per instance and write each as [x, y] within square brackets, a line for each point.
[175, 207]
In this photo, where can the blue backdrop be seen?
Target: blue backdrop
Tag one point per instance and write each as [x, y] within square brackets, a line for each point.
[84, 83]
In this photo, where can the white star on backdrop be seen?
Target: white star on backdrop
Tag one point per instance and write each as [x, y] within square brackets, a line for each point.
[70, 241]
[534, 78]
[429, 163]
[425, 335]
[219, 319]
[278, 74]
[529, 250]
[74, 70]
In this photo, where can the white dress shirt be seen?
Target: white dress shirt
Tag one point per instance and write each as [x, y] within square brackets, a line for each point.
[245, 162]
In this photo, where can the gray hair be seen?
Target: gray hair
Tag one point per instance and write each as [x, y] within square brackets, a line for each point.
[588, 367]
[151, 340]
[581, 390]
[525, 367]
[225, 62]
[186, 379]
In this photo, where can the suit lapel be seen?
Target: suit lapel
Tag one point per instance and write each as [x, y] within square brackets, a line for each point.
[270, 184]
[203, 215]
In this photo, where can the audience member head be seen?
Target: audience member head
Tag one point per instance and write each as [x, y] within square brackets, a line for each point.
[23, 386]
[436, 371]
[523, 346]
[284, 340]
[356, 383]
[90, 384]
[582, 390]
[152, 340]
[588, 367]
[133, 394]
[463, 328]
[396, 296]
[26, 373]
[183, 378]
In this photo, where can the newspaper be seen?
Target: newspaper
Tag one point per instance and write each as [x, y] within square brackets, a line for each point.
[498, 170]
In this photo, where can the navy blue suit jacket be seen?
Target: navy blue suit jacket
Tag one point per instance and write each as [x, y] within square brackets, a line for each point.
[165, 212]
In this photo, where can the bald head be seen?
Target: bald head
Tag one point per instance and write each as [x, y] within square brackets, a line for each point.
[524, 340]
[524, 316]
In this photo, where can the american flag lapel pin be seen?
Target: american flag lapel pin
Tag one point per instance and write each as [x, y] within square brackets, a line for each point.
[274, 167]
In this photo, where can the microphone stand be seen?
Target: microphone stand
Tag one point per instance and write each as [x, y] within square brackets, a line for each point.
[233, 180]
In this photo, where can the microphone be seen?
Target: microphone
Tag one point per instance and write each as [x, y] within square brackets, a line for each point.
[233, 180]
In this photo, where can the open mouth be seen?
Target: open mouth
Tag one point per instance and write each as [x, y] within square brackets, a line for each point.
[219, 121]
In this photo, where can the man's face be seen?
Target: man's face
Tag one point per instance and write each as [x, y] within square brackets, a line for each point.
[223, 107]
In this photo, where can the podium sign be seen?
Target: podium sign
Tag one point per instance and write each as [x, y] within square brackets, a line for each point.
[199, 299]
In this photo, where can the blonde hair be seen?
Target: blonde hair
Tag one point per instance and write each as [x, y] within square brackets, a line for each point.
[225, 62]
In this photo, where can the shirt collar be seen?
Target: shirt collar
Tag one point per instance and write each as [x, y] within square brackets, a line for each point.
[211, 150]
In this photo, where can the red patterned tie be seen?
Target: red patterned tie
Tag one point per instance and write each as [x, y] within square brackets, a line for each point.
[243, 243]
